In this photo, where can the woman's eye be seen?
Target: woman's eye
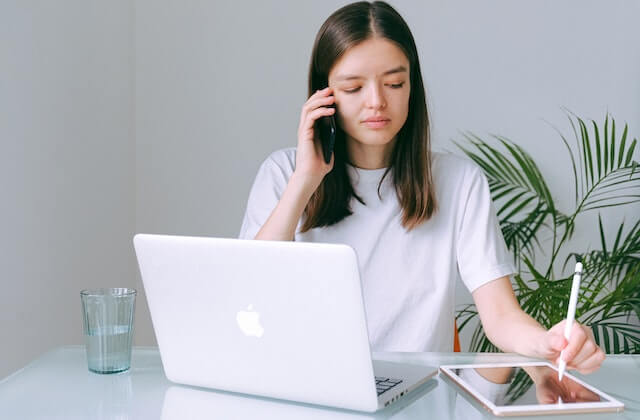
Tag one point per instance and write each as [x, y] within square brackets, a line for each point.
[391, 85]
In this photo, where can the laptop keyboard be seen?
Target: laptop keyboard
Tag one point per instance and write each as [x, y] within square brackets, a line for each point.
[385, 384]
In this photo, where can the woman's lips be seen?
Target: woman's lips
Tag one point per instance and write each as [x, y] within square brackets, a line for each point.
[376, 123]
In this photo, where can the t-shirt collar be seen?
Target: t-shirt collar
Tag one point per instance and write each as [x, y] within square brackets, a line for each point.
[366, 176]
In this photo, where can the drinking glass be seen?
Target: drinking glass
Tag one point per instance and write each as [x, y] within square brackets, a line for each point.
[108, 328]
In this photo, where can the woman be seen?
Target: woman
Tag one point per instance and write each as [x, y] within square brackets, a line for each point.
[417, 220]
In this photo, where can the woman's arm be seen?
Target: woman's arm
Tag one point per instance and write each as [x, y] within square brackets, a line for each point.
[308, 174]
[512, 330]
[281, 224]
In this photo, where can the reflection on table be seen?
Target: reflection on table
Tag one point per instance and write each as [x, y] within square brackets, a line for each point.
[58, 385]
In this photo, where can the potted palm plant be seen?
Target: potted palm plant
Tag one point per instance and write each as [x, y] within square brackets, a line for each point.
[605, 175]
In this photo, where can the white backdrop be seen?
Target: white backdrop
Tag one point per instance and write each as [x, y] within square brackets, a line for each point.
[67, 167]
[153, 116]
[218, 87]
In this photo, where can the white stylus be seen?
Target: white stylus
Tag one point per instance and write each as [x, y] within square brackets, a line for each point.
[571, 313]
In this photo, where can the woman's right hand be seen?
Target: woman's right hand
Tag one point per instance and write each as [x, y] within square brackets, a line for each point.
[310, 164]
[307, 176]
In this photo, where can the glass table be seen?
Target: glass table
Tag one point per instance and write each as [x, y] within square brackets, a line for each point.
[58, 385]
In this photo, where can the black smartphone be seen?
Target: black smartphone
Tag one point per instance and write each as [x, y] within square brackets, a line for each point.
[326, 131]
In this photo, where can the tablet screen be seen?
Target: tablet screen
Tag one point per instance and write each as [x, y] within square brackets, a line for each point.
[526, 385]
[528, 388]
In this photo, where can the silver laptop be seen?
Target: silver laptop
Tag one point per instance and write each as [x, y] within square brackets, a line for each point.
[277, 319]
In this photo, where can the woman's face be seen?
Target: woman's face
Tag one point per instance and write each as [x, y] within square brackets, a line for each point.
[371, 88]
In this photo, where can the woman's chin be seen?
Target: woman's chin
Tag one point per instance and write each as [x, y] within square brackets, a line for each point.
[378, 138]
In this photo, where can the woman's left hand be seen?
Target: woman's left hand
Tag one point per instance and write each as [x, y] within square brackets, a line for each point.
[581, 351]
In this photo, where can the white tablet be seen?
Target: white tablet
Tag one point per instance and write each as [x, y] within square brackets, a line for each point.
[517, 389]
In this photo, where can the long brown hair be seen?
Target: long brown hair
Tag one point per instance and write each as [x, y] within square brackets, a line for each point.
[411, 154]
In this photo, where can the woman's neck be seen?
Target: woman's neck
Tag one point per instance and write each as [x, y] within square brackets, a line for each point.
[367, 156]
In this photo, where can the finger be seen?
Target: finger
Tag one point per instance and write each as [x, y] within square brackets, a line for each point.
[319, 94]
[314, 103]
[317, 113]
[593, 363]
[306, 108]
[576, 341]
[547, 397]
[557, 343]
[587, 350]
[320, 91]
[559, 327]
[568, 396]
[552, 345]
[584, 394]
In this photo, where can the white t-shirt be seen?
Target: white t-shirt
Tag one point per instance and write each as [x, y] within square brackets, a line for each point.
[408, 278]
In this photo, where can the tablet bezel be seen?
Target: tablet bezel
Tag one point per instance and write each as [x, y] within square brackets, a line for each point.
[611, 405]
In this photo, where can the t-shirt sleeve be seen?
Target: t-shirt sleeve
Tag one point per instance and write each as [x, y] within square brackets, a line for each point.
[266, 191]
[481, 251]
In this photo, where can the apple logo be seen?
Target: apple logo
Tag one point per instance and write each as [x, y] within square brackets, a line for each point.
[249, 322]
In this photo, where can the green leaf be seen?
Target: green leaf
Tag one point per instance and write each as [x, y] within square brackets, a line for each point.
[598, 154]
[516, 210]
[607, 345]
[510, 203]
[502, 193]
[583, 179]
[630, 152]
[606, 144]
[573, 162]
[587, 151]
[602, 240]
[623, 140]
[613, 141]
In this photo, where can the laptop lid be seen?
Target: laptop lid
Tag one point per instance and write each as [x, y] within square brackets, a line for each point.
[277, 319]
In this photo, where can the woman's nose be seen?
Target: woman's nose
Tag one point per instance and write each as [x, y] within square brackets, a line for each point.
[375, 98]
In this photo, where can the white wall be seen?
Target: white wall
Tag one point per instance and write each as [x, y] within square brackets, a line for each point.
[152, 116]
[220, 85]
[66, 167]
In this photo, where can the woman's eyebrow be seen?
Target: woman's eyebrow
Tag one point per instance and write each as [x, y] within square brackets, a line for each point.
[398, 69]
